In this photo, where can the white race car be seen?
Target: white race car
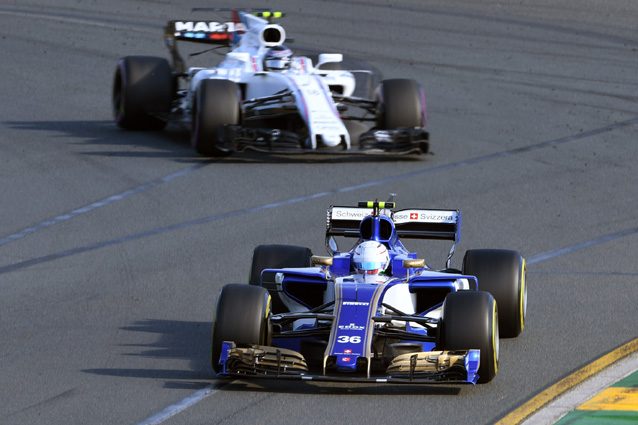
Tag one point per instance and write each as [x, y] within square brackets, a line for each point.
[262, 97]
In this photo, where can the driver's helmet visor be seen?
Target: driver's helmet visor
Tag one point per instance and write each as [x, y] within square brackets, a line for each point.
[369, 265]
[278, 63]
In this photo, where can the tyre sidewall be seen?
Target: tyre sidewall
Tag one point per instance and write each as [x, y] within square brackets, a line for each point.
[501, 273]
[242, 317]
[216, 105]
[143, 89]
[400, 104]
[469, 320]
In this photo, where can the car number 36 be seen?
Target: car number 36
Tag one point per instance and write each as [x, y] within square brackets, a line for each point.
[344, 339]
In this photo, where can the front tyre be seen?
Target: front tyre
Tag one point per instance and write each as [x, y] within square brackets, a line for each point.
[242, 316]
[501, 273]
[469, 320]
[143, 89]
[216, 105]
[400, 104]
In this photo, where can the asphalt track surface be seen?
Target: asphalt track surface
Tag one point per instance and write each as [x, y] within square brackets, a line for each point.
[114, 245]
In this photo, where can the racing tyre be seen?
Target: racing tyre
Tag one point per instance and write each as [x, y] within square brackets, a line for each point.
[143, 89]
[242, 317]
[470, 320]
[502, 274]
[400, 104]
[277, 257]
[216, 105]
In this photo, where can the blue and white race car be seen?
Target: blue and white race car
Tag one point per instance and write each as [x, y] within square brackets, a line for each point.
[374, 313]
[263, 97]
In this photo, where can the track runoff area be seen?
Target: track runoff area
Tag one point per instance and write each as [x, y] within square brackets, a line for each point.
[616, 404]
[604, 391]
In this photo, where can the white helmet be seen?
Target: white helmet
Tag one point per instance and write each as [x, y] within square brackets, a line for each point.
[277, 58]
[370, 257]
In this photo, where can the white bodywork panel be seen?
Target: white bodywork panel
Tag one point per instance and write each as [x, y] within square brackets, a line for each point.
[310, 86]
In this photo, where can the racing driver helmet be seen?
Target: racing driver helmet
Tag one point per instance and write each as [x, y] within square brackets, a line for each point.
[370, 257]
[277, 58]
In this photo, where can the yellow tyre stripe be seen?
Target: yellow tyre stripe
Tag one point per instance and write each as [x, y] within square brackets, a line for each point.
[521, 301]
[268, 306]
[494, 342]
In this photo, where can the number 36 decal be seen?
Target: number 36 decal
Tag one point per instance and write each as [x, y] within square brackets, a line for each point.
[343, 339]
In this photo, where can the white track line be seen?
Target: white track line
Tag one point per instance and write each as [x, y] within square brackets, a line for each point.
[548, 255]
[429, 169]
[98, 204]
[180, 406]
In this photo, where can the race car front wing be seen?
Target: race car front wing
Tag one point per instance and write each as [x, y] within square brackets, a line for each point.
[403, 141]
[431, 367]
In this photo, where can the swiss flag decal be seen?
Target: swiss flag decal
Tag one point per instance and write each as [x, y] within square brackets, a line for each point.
[414, 216]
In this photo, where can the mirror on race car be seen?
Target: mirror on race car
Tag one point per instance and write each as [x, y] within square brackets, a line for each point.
[332, 245]
[319, 260]
[414, 263]
[329, 57]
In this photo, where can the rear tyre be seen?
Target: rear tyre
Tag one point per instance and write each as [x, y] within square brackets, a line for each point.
[143, 89]
[400, 104]
[469, 320]
[216, 105]
[242, 317]
[502, 274]
[277, 257]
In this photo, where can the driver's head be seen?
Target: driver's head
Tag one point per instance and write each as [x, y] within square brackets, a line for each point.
[370, 257]
[277, 58]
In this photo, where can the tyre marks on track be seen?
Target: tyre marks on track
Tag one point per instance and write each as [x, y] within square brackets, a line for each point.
[299, 199]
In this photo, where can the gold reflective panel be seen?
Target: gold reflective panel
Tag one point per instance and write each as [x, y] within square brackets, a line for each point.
[414, 263]
[319, 260]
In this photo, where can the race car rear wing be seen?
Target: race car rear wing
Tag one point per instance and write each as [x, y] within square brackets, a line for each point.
[432, 224]
[436, 224]
[203, 31]
[207, 32]
[226, 34]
